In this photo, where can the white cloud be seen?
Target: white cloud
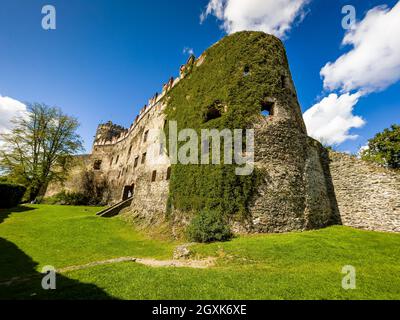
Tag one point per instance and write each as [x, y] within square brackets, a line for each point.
[271, 16]
[373, 64]
[362, 150]
[9, 109]
[188, 51]
[330, 120]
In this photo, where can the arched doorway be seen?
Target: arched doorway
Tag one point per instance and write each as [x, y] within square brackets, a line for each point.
[128, 192]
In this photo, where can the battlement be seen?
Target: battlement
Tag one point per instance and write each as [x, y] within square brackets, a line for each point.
[110, 134]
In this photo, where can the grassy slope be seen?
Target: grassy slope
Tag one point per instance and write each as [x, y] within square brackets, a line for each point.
[63, 236]
[289, 266]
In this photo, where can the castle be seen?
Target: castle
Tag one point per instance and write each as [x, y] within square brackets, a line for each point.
[243, 81]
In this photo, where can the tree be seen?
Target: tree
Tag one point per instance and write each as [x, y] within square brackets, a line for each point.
[384, 148]
[38, 149]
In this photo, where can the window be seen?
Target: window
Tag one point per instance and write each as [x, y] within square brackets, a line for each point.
[111, 161]
[97, 165]
[154, 176]
[144, 158]
[212, 112]
[136, 161]
[267, 108]
[169, 173]
[246, 71]
[116, 160]
[146, 135]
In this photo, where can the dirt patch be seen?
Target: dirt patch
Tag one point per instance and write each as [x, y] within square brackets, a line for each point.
[196, 264]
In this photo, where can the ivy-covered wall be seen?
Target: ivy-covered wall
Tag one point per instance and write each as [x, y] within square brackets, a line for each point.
[291, 188]
[232, 85]
[238, 75]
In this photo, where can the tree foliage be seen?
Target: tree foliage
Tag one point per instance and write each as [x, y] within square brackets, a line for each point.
[384, 148]
[38, 148]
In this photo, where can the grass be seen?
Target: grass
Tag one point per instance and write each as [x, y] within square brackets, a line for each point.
[62, 236]
[288, 266]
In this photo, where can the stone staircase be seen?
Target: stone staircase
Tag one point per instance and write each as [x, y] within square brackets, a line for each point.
[115, 209]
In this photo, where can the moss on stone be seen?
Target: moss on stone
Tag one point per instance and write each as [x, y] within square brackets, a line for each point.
[238, 74]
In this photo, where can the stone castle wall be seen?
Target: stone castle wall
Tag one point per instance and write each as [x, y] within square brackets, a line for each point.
[74, 181]
[368, 195]
[298, 182]
[137, 164]
[298, 195]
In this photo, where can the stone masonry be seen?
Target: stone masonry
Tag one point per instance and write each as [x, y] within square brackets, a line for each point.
[368, 195]
[298, 182]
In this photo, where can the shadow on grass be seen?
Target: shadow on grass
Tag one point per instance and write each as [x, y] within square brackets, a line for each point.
[4, 213]
[26, 282]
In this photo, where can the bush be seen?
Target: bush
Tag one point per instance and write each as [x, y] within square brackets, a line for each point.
[68, 199]
[10, 195]
[209, 226]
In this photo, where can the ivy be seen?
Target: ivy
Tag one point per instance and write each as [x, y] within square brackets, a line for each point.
[238, 73]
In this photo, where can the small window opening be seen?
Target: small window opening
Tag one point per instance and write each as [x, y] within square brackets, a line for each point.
[144, 158]
[154, 176]
[111, 161]
[97, 165]
[169, 173]
[213, 112]
[146, 135]
[136, 161]
[267, 108]
[116, 160]
[246, 71]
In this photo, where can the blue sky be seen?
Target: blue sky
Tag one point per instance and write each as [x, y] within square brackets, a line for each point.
[107, 58]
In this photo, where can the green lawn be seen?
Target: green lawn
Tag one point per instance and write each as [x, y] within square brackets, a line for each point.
[289, 266]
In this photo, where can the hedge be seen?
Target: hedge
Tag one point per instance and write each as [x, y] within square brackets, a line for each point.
[10, 195]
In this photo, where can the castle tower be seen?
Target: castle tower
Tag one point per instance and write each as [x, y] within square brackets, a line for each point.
[244, 82]
[107, 131]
